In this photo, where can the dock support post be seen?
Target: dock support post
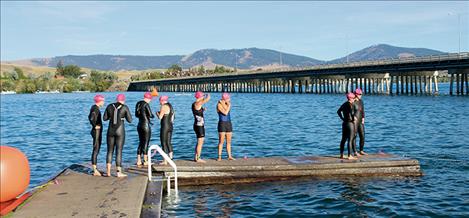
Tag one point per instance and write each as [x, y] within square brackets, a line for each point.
[467, 84]
[457, 83]
[391, 85]
[435, 74]
[462, 84]
[451, 83]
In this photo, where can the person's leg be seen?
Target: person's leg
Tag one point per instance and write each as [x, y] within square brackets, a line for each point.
[164, 145]
[221, 141]
[198, 153]
[146, 144]
[119, 146]
[110, 150]
[350, 132]
[361, 133]
[96, 147]
[354, 140]
[343, 140]
[141, 141]
[169, 142]
[228, 145]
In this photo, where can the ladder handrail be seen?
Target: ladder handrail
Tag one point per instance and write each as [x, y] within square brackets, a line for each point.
[171, 163]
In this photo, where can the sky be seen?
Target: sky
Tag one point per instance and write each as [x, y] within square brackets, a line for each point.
[321, 30]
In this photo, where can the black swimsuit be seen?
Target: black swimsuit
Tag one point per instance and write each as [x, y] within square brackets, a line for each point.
[95, 120]
[144, 114]
[199, 128]
[346, 113]
[116, 113]
[166, 130]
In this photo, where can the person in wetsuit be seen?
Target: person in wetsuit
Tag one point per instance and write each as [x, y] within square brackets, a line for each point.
[166, 115]
[96, 130]
[116, 113]
[144, 114]
[199, 129]
[225, 128]
[346, 114]
[360, 121]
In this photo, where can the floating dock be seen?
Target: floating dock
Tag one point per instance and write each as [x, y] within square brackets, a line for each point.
[282, 168]
[76, 193]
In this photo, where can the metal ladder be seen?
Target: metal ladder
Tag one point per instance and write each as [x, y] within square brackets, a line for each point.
[171, 163]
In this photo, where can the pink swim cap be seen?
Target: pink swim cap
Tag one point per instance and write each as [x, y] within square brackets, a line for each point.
[120, 97]
[358, 91]
[98, 98]
[350, 95]
[147, 95]
[225, 96]
[164, 98]
[199, 94]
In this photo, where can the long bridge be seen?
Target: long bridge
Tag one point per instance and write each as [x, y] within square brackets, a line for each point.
[416, 75]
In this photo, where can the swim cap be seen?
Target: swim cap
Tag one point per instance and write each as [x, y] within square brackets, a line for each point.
[120, 97]
[358, 91]
[350, 95]
[199, 94]
[98, 98]
[225, 96]
[164, 98]
[147, 95]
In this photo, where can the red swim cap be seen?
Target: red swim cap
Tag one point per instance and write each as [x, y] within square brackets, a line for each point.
[350, 96]
[120, 97]
[147, 95]
[164, 98]
[358, 91]
[98, 98]
[199, 94]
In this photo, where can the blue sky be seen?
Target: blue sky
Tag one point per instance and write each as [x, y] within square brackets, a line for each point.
[322, 30]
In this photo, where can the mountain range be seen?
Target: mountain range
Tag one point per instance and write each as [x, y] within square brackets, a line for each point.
[248, 58]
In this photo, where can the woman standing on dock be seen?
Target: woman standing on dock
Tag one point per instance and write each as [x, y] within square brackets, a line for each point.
[360, 121]
[144, 114]
[166, 115]
[116, 113]
[225, 128]
[96, 130]
[199, 129]
[346, 114]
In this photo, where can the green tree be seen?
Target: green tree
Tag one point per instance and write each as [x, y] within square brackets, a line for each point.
[175, 68]
[71, 71]
[201, 69]
[19, 72]
[7, 85]
[60, 68]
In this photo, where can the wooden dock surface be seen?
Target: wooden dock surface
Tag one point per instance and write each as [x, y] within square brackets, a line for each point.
[280, 168]
[77, 194]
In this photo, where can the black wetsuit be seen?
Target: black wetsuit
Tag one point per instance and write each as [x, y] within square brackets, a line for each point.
[95, 120]
[346, 114]
[199, 128]
[224, 122]
[116, 113]
[166, 130]
[144, 114]
[359, 126]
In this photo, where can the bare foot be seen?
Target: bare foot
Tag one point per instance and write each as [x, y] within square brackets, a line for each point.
[341, 157]
[351, 158]
[96, 173]
[363, 153]
[145, 163]
[200, 161]
[121, 175]
[231, 158]
[108, 175]
[219, 159]
[357, 154]
[163, 163]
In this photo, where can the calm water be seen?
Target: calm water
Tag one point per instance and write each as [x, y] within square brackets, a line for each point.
[52, 129]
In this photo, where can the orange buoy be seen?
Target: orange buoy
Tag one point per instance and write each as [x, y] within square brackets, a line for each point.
[14, 173]
[154, 92]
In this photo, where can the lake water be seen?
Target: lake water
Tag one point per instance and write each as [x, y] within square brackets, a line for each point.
[53, 131]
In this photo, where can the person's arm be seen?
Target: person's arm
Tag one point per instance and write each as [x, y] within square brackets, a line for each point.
[224, 109]
[163, 111]
[93, 117]
[148, 111]
[106, 114]
[206, 99]
[363, 112]
[339, 112]
[128, 115]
